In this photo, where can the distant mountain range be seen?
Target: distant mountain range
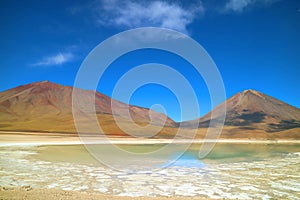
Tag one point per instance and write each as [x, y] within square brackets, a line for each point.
[47, 107]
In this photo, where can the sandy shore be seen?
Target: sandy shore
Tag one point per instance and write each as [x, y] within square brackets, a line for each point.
[28, 193]
[36, 139]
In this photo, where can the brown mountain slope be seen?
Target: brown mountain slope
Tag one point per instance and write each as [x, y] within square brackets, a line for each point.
[46, 106]
[253, 110]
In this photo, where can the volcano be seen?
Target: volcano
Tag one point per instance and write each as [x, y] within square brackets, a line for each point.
[254, 110]
[47, 106]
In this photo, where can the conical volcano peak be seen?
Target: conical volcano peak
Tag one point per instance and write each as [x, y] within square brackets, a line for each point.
[45, 81]
[252, 92]
[255, 110]
[249, 91]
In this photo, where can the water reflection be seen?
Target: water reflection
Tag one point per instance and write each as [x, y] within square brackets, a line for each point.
[187, 160]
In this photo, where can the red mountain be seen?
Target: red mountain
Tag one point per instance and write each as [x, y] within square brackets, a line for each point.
[46, 106]
[254, 110]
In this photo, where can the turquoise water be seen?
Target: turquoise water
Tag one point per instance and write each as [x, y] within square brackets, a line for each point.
[240, 171]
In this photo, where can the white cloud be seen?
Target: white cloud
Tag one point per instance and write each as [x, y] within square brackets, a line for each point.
[241, 5]
[144, 36]
[133, 14]
[237, 5]
[57, 59]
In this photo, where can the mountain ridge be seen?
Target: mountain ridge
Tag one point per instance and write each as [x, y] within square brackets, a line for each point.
[47, 107]
[253, 109]
[52, 101]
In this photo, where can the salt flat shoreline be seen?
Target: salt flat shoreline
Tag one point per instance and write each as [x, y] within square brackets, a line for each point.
[39, 139]
[28, 193]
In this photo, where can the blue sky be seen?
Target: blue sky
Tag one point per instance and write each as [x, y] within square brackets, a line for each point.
[254, 43]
